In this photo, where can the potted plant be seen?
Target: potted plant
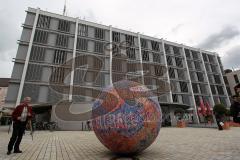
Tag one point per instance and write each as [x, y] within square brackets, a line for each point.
[220, 113]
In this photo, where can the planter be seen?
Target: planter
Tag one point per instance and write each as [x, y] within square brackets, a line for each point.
[181, 124]
[233, 124]
[226, 126]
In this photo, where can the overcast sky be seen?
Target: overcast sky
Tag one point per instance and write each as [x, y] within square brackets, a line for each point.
[213, 25]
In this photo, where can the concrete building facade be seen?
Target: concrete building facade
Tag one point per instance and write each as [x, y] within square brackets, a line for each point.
[232, 79]
[3, 90]
[64, 58]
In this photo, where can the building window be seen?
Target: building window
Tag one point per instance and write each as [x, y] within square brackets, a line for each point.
[117, 65]
[43, 21]
[183, 86]
[34, 72]
[62, 40]
[147, 68]
[213, 89]
[115, 50]
[178, 62]
[144, 43]
[217, 79]
[41, 36]
[145, 56]
[185, 99]
[116, 37]
[205, 58]
[175, 98]
[132, 67]
[176, 50]
[236, 78]
[37, 53]
[169, 60]
[130, 40]
[83, 30]
[197, 65]
[81, 61]
[158, 70]
[131, 53]
[195, 88]
[167, 49]
[60, 57]
[156, 57]
[174, 86]
[82, 44]
[189, 63]
[207, 66]
[195, 55]
[64, 26]
[155, 46]
[118, 77]
[200, 76]
[211, 58]
[213, 67]
[203, 88]
[197, 100]
[99, 47]
[181, 74]
[192, 76]
[171, 72]
[220, 90]
[99, 33]
[225, 80]
[57, 75]
[187, 53]
[78, 76]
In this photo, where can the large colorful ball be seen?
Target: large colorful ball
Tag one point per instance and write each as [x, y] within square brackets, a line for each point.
[126, 117]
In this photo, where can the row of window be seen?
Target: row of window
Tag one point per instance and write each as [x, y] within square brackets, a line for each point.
[179, 86]
[216, 89]
[37, 53]
[172, 50]
[194, 65]
[208, 58]
[184, 99]
[192, 54]
[214, 79]
[199, 88]
[180, 73]
[94, 77]
[197, 76]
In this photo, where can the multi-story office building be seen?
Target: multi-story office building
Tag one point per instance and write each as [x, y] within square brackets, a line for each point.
[52, 45]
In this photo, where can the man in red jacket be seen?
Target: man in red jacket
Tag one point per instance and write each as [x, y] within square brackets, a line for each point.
[20, 116]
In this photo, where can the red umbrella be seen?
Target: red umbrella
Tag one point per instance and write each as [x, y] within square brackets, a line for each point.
[203, 108]
[209, 111]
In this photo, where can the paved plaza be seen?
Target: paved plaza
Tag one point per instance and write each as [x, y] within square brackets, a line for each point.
[171, 144]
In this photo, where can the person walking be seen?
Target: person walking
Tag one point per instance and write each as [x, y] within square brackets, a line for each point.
[20, 116]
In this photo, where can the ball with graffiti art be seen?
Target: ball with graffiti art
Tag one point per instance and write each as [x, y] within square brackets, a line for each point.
[126, 117]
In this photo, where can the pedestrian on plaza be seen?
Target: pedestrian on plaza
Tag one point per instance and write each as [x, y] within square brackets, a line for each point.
[20, 116]
[88, 125]
[235, 109]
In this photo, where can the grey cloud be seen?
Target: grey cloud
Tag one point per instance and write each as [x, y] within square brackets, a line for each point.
[232, 58]
[217, 39]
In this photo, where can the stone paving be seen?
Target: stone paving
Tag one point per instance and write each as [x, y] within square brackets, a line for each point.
[171, 144]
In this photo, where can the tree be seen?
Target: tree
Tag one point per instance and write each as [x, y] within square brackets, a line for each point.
[220, 109]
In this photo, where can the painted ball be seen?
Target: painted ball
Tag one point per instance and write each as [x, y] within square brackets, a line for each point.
[126, 117]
